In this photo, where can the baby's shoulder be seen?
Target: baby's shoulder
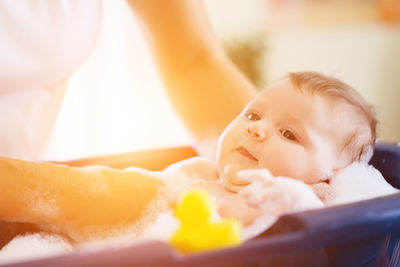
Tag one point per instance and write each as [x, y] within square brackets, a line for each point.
[196, 167]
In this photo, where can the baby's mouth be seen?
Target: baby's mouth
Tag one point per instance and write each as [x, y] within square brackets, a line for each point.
[246, 153]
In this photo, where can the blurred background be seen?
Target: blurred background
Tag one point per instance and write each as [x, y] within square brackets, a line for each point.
[357, 41]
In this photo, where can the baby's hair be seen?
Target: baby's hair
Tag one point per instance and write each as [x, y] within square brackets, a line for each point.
[317, 83]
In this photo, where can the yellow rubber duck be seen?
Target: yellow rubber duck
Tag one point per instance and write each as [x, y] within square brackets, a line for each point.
[197, 231]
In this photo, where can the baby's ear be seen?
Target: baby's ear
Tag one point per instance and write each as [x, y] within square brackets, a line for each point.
[360, 146]
[366, 153]
[366, 144]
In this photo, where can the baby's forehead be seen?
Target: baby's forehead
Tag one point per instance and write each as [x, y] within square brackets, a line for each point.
[284, 94]
[331, 115]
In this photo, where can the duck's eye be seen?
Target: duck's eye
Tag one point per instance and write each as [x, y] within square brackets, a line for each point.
[253, 116]
[288, 135]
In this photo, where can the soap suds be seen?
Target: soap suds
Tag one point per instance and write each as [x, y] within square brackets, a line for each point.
[42, 202]
[33, 246]
[357, 182]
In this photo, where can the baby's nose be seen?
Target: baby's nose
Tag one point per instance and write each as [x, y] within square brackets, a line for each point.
[257, 131]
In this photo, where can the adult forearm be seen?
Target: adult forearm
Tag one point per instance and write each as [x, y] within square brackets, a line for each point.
[178, 32]
[204, 86]
[82, 203]
[153, 160]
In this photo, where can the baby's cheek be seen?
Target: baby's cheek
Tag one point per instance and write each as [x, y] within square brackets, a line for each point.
[287, 162]
[298, 164]
[317, 170]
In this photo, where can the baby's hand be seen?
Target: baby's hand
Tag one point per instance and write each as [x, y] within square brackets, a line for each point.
[258, 178]
[277, 195]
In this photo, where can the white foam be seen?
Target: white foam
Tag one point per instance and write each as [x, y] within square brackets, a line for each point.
[357, 182]
[162, 228]
[42, 202]
[33, 246]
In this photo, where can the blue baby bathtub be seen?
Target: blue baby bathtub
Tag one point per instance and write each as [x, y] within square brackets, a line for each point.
[365, 233]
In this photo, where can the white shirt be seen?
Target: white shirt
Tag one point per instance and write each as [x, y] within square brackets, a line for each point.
[42, 42]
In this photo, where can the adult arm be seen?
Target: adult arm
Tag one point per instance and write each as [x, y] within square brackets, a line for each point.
[204, 86]
[153, 160]
[83, 203]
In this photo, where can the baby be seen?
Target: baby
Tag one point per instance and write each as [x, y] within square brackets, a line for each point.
[307, 127]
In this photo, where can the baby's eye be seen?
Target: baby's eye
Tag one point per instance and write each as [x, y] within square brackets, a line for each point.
[288, 135]
[253, 116]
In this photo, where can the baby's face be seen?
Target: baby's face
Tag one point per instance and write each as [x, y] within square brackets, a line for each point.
[290, 133]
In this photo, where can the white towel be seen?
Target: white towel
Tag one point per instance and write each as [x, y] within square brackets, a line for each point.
[359, 181]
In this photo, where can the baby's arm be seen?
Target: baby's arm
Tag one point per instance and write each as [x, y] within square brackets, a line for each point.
[323, 190]
[232, 205]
